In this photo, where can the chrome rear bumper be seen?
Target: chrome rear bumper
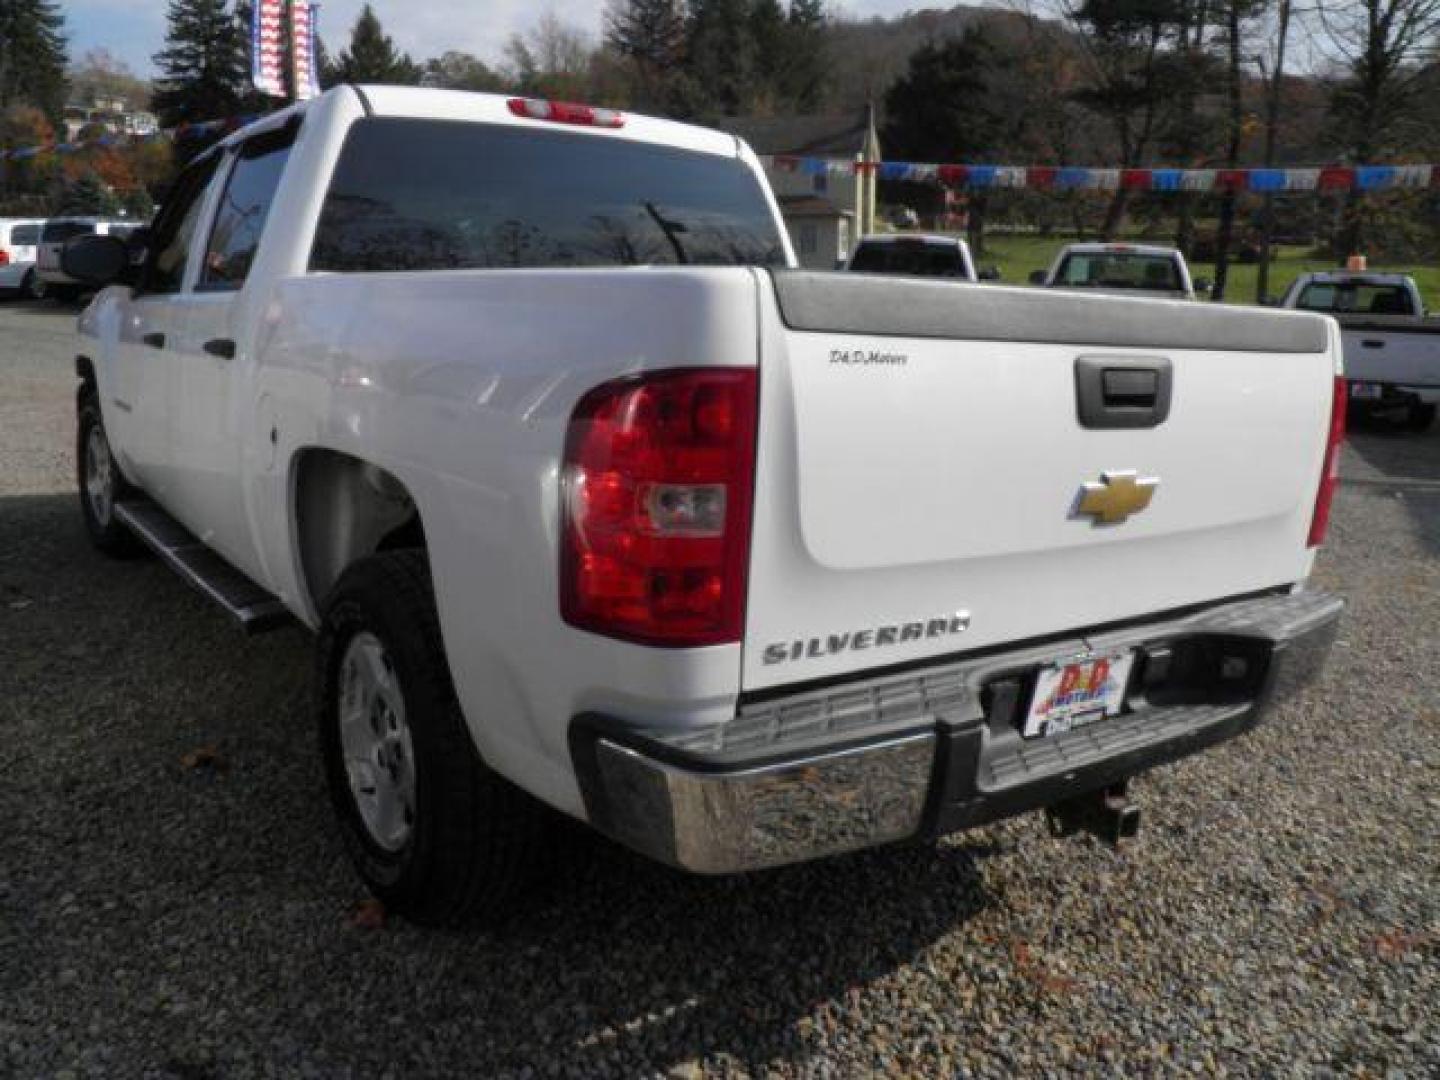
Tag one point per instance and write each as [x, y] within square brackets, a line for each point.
[937, 749]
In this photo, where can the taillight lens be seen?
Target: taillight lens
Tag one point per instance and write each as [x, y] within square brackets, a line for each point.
[657, 486]
[1330, 478]
[4, 257]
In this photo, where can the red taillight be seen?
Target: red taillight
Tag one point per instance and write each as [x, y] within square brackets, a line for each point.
[1330, 478]
[656, 488]
[566, 112]
[4, 257]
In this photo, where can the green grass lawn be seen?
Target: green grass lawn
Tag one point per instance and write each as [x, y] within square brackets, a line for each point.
[1017, 256]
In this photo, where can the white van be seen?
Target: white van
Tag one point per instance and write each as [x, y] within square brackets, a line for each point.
[53, 235]
[18, 240]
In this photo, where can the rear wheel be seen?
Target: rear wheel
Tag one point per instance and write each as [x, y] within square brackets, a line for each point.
[33, 286]
[101, 484]
[434, 832]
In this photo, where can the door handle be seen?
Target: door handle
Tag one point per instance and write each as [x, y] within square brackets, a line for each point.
[1122, 391]
[224, 348]
[155, 341]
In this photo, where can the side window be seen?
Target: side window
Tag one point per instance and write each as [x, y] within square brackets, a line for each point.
[25, 235]
[175, 228]
[244, 207]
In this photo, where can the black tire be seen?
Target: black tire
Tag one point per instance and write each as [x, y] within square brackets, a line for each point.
[471, 840]
[33, 288]
[1420, 416]
[100, 484]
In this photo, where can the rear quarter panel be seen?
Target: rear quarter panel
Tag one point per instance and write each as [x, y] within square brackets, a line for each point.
[461, 384]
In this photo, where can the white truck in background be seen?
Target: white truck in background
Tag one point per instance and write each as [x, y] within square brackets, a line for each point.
[915, 254]
[1123, 269]
[591, 500]
[1391, 345]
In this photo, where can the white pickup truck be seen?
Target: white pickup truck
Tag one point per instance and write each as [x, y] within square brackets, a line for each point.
[591, 500]
[1391, 346]
[1133, 269]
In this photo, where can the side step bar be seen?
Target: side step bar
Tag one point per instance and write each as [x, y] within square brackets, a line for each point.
[204, 570]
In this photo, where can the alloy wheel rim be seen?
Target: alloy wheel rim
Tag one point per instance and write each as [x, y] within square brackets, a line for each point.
[99, 476]
[375, 742]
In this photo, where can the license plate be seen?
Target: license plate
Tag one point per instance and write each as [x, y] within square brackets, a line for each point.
[1069, 696]
[1366, 391]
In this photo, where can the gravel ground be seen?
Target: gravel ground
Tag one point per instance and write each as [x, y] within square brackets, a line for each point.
[1280, 914]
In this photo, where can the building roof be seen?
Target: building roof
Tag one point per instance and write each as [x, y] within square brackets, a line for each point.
[822, 135]
[809, 206]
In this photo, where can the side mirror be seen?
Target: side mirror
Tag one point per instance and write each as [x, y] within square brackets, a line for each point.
[95, 260]
[1203, 284]
[989, 273]
[1037, 277]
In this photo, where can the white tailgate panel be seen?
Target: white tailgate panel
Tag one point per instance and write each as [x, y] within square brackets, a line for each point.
[891, 493]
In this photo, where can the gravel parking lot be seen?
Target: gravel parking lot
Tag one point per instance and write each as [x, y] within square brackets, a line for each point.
[173, 914]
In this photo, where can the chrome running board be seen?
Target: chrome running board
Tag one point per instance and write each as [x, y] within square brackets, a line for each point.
[205, 571]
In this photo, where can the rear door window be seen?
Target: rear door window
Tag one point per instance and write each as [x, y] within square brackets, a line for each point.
[174, 233]
[244, 209]
[442, 195]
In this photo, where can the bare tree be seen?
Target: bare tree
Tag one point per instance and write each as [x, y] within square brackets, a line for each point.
[1381, 45]
[1272, 70]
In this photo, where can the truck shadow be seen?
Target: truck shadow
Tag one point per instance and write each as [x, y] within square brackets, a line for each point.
[220, 877]
[1402, 464]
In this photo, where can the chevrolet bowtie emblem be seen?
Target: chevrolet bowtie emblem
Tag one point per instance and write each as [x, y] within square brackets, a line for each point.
[1116, 496]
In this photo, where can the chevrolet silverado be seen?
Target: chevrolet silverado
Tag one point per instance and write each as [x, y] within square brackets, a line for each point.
[592, 500]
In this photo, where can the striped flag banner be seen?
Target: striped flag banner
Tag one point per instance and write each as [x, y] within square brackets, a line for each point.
[1327, 178]
[267, 46]
[302, 48]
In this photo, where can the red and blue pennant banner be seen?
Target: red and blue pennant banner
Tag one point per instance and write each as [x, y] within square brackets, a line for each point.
[1327, 178]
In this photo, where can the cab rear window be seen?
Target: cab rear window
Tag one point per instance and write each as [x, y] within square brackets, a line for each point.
[908, 257]
[441, 195]
[1121, 270]
[1348, 297]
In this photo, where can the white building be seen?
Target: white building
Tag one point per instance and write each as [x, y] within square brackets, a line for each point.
[824, 213]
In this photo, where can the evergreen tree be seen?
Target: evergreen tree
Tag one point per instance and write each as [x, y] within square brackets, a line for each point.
[723, 58]
[651, 32]
[87, 196]
[940, 110]
[204, 73]
[805, 68]
[649, 35]
[372, 56]
[32, 55]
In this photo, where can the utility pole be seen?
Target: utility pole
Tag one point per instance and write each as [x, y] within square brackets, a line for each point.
[1272, 124]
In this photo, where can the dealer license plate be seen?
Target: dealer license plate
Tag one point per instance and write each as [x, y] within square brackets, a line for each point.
[1072, 695]
[1364, 391]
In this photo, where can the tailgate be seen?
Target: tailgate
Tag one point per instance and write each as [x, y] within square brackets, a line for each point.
[923, 471]
[1402, 353]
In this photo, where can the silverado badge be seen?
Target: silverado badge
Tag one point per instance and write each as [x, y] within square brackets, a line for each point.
[1116, 496]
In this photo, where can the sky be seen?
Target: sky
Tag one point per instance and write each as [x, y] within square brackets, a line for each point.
[134, 30]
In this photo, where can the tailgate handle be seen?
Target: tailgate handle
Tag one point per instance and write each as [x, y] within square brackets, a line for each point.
[1373, 343]
[1122, 391]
